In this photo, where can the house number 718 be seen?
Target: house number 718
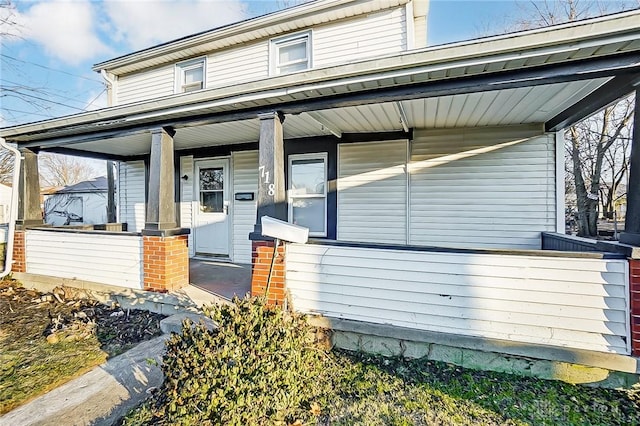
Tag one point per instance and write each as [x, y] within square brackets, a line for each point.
[264, 178]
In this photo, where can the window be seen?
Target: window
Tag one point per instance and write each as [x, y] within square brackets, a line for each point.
[190, 75]
[212, 190]
[291, 53]
[308, 192]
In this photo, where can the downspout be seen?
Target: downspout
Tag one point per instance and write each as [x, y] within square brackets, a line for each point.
[111, 82]
[13, 212]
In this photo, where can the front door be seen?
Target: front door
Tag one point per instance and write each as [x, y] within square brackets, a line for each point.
[212, 207]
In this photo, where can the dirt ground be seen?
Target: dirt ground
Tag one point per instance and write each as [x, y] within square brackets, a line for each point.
[47, 339]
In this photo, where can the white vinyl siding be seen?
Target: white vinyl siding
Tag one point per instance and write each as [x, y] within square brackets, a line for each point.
[146, 85]
[186, 198]
[245, 179]
[567, 302]
[482, 188]
[238, 64]
[372, 35]
[372, 192]
[131, 194]
[102, 258]
[334, 43]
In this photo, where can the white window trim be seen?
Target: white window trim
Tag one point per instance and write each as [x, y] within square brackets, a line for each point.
[314, 156]
[274, 67]
[187, 65]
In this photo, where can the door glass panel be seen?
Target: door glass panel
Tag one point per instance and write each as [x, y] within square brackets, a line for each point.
[307, 177]
[211, 202]
[211, 179]
[212, 190]
[309, 212]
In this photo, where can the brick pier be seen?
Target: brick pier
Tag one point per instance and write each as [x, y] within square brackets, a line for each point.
[166, 262]
[261, 255]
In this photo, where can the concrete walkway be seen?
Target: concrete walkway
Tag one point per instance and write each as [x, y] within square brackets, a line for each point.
[221, 278]
[106, 393]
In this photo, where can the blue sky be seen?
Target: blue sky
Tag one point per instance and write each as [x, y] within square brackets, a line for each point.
[54, 43]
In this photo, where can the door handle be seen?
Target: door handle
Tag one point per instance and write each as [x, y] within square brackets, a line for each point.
[225, 209]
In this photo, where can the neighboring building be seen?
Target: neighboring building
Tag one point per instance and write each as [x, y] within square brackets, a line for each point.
[5, 203]
[5, 206]
[429, 177]
[80, 204]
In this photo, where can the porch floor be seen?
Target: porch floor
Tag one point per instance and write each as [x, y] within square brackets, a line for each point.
[221, 278]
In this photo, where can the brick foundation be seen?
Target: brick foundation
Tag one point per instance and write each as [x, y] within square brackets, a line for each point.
[166, 262]
[634, 288]
[19, 253]
[261, 254]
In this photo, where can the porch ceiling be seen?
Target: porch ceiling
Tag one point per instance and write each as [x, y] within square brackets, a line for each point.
[504, 107]
[553, 76]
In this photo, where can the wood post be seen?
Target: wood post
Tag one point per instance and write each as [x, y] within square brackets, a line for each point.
[111, 194]
[271, 198]
[161, 209]
[631, 234]
[29, 211]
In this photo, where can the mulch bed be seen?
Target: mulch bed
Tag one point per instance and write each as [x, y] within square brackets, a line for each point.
[47, 339]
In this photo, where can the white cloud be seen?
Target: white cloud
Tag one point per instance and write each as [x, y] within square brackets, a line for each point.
[66, 29]
[144, 23]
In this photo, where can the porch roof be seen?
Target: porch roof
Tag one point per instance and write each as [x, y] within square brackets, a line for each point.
[552, 76]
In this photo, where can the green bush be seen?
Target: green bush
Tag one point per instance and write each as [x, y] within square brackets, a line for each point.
[261, 366]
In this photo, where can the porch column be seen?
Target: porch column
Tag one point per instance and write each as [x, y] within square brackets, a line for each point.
[271, 201]
[29, 211]
[161, 208]
[631, 234]
[165, 252]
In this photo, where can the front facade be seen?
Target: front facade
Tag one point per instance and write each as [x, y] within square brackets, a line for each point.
[419, 171]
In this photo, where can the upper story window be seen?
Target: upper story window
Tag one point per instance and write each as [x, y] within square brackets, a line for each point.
[291, 53]
[190, 75]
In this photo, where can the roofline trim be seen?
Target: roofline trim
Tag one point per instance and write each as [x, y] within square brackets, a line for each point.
[252, 28]
[405, 64]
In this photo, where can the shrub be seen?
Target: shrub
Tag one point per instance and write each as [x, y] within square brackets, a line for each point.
[261, 366]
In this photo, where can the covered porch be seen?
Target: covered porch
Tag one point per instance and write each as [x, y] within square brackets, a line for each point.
[443, 147]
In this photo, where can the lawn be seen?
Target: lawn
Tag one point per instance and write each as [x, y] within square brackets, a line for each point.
[374, 390]
[263, 366]
[48, 339]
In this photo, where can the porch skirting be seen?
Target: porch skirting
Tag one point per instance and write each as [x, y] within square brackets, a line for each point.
[575, 366]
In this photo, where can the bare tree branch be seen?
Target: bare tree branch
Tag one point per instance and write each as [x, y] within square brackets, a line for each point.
[63, 170]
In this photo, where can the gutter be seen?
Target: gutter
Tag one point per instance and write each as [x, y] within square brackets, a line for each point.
[393, 66]
[13, 213]
[247, 30]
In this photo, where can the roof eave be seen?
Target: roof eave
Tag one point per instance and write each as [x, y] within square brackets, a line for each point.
[444, 57]
[243, 31]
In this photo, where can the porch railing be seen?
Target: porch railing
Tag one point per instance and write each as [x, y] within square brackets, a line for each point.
[577, 300]
[105, 257]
